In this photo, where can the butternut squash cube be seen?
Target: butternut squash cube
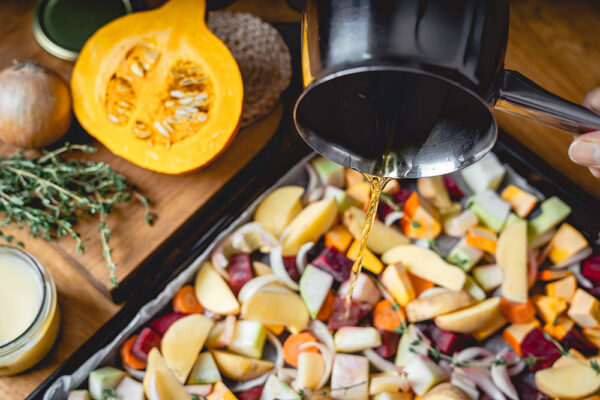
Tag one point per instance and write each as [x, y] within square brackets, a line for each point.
[514, 334]
[396, 280]
[549, 307]
[585, 309]
[559, 327]
[520, 201]
[566, 242]
[420, 221]
[338, 237]
[563, 288]
[369, 261]
[483, 238]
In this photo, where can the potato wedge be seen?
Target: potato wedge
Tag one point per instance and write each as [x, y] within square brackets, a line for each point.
[429, 307]
[381, 239]
[446, 391]
[470, 319]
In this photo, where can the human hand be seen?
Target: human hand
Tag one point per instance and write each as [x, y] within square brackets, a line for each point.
[585, 149]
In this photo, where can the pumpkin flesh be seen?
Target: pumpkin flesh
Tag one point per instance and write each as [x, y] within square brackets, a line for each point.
[159, 89]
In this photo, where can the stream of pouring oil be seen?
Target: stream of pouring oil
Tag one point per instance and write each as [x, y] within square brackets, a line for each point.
[377, 184]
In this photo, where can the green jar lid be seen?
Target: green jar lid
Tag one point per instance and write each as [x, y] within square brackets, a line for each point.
[62, 27]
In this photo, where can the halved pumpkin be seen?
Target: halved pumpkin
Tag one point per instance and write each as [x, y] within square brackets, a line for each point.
[159, 89]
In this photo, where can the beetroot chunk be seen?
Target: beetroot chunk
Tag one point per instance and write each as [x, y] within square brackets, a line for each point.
[334, 262]
[146, 340]
[162, 323]
[240, 271]
[447, 342]
[575, 340]
[591, 269]
[453, 188]
[290, 266]
[536, 344]
[357, 312]
[389, 344]
[527, 392]
[401, 196]
[251, 394]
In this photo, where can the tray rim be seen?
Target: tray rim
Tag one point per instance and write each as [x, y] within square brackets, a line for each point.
[519, 157]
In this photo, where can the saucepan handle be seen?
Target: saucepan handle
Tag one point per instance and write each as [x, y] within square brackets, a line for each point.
[520, 96]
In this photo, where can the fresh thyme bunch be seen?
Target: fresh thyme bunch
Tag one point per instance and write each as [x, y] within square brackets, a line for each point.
[49, 194]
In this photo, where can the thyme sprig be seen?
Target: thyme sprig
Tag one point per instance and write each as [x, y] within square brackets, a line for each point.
[50, 194]
[564, 351]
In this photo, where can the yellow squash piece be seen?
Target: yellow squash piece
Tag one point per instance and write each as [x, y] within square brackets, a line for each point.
[566, 242]
[369, 262]
[159, 89]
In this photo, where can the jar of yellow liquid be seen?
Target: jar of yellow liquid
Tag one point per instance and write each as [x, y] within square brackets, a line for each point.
[29, 317]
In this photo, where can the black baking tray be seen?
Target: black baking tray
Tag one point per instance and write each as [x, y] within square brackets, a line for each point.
[585, 216]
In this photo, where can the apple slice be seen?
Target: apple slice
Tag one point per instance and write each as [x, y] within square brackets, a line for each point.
[571, 381]
[381, 238]
[423, 374]
[129, 389]
[434, 190]
[511, 256]
[213, 292]
[429, 307]
[79, 395]
[220, 392]
[240, 368]
[446, 391]
[277, 306]
[426, 264]
[105, 378]
[183, 341]
[278, 209]
[386, 382]
[471, 319]
[276, 389]
[485, 174]
[309, 225]
[160, 383]
[314, 288]
[489, 277]
[205, 370]
[249, 339]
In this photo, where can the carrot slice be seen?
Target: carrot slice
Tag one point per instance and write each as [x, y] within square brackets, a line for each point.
[291, 347]
[419, 284]
[326, 308]
[517, 313]
[127, 356]
[388, 316]
[185, 301]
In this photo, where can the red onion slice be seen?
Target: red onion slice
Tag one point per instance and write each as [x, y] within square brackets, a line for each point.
[301, 257]
[475, 353]
[274, 340]
[315, 195]
[581, 280]
[313, 181]
[575, 259]
[501, 379]
[136, 373]
[255, 284]
[481, 377]
[541, 257]
[287, 375]
[380, 363]
[220, 260]
[532, 267]
[276, 259]
[322, 333]
[242, 386]
[393, 217]
[199, 390]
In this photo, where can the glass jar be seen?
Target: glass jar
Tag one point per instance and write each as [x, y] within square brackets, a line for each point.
[30, 346]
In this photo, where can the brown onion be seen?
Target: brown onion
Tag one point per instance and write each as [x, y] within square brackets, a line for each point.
[35, 105]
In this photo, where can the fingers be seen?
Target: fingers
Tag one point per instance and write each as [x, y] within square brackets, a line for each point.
[585, 150]
[592, 100]
[595, 172]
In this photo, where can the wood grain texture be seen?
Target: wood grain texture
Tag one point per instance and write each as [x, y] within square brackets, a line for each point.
[556, 44]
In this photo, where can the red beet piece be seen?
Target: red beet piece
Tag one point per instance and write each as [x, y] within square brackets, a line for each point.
[527, 392]
[146, 340]
[591, 269]
[357, 312]
[447, 342]
[536, 344]
[290, 266]
[389, 344]
[240, 271]
[595, 291]
[575, 340]
[162, 323]
[383, 210]
[453, 188]
[401, 196]
[334, 262]
[251, 394]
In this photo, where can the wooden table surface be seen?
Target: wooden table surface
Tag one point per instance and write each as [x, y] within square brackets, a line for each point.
[555, 43]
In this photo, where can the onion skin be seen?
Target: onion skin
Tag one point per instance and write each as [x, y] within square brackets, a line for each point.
[35, 105]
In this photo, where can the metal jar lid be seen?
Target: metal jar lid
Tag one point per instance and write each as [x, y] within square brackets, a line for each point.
[62, 27]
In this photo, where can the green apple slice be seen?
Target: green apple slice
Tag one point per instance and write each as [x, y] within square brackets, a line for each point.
[248, 339]
[314, 288]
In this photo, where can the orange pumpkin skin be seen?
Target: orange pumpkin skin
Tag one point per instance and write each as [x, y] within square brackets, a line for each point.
[159, 89]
